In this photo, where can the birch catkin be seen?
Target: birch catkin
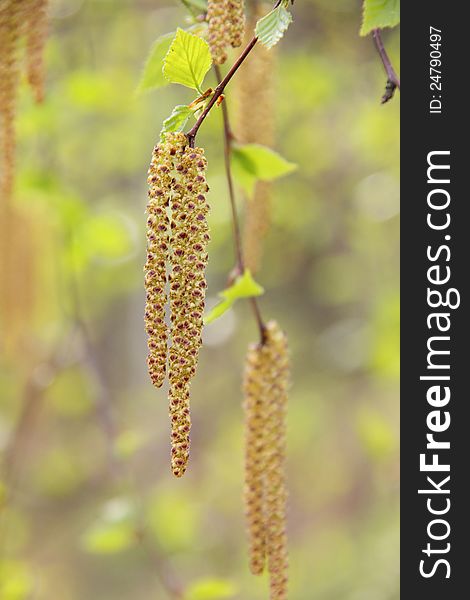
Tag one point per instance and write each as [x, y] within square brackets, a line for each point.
[265, 387]
[236, 10]
[189, 239]
[18, 17]
[36, 34]
[275, 456]
[226, 20]
[177, 188]
[254, 388]
[10, 29]
[256, 90]
[158, 255]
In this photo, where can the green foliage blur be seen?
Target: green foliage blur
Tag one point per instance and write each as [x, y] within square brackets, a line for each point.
[89, 509]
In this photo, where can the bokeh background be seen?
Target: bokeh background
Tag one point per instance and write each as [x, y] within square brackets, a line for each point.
[89, 508]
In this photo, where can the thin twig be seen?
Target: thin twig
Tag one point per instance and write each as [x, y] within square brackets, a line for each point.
[219, 90]
[228, 138]
[228, 173]
[393, 82]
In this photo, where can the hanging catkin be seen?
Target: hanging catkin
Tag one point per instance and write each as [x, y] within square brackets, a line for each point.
[36, 34]
[265, 386]
[236, 10]
[226, 20]
[177, 187]
[19, 280]
[276, 493]
[254, 388]
[10, 29]
[189, 239]
[17, 17]
[158, 254]
[255, 125]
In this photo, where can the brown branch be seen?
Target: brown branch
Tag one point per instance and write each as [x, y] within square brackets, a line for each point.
[228, 138]
[393, 82]
[219, 90]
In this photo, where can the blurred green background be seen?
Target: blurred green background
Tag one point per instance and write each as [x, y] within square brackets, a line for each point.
[89, 509]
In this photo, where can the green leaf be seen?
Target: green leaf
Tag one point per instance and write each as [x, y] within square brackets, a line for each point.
[243, 287]
[270, 29]
[177, 120]
[187, 61]
[210, 589]
[152, 76]
[253, 162]
[379, 14]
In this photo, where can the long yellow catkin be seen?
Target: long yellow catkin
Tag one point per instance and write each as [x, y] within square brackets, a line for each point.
[158, 255]
[226, 19]
[10, 29]
[256, 90]
[189, 239]
[18, 17]
[266, 384]
[36, 34]
[177, 188]
[276, 492]
[236, 10]
[254, 388]
[19, 283]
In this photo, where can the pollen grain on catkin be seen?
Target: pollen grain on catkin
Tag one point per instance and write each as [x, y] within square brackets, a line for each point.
[266, 382]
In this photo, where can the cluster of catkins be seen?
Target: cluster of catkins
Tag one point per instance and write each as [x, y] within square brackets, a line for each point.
[177, 236]
[226, 20]
[266, 383]
[18, 19]
[256, 89]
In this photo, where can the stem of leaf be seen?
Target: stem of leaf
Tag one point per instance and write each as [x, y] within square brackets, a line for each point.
[393, 81]
[228, 138]
[219, 90]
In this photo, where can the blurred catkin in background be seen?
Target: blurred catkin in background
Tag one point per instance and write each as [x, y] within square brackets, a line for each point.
[19, 20]
[256, 111]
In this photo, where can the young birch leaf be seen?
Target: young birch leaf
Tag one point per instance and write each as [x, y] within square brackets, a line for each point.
[243, 287]
[177, 120]
[253, 162]
[379, 14]
[270, 29]
[187, 61]
[152, 76]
